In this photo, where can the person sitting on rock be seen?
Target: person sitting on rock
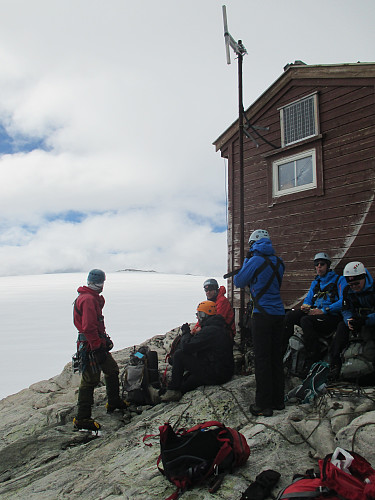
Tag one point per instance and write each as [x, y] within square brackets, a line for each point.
[223, 307]
[205, 358]
[358, 311]
[93, 346]
[319, 314]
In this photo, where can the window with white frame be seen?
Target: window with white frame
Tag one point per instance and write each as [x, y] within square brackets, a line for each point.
[299, 120]
[294, 173]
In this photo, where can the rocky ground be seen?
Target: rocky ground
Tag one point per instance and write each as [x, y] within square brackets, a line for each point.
[42, 457]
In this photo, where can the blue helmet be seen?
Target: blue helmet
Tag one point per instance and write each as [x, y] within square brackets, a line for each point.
[95, 277]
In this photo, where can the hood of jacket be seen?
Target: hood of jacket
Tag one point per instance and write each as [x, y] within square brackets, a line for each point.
[263, 247]
[85, 290]
[327, 278]
[221, 293]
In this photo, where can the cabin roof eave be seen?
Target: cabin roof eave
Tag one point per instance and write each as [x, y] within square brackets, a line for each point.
[299, 72]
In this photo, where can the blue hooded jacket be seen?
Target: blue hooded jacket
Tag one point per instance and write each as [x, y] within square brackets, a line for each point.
[270, 301]
[324, 300]
[360, 303]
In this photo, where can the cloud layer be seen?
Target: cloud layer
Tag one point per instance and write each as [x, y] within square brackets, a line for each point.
[108, 113]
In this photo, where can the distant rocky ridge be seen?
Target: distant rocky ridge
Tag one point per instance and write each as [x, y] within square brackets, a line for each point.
[41, 457]
[135, 271]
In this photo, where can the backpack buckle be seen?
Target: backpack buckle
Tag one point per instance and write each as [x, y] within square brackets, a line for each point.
[216, 480]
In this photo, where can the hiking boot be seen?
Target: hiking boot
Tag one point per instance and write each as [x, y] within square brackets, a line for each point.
[171, 395]
[279, 407]
[87, 424]
[260, 412]
[118, 405]
[154, 395]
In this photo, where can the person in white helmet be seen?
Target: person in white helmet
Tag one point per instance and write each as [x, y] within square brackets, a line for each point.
[263, 272]
[358, 310]
[320, 312]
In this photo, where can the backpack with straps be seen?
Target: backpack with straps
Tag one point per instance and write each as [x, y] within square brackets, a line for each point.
[138, 375]
[207, 450]
[359, 355]
[314, 385]
[295, 357]
[332, 482]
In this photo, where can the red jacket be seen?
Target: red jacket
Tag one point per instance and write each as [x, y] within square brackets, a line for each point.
[88, 317]
[223, 308]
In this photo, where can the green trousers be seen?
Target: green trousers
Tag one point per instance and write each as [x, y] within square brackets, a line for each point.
[90, 379]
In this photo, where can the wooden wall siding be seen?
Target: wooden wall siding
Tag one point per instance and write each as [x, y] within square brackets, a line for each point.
[342, 220]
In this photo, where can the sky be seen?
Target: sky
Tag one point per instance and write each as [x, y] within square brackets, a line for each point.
[38, 337]
[108, 112]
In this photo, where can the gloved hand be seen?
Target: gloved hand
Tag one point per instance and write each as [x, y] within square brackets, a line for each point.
[357, 323]
[108, 343]
[262, 486]
[185, 328]
[100, 355]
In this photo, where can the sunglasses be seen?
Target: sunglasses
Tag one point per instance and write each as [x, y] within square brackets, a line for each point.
[209, 288]
[355, 280]
[320, 263]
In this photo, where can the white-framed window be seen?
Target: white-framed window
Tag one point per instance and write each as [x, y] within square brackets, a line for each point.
[294, 173]
[299, 120]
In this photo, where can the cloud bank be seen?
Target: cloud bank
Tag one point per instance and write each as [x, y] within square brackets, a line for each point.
[108, 111]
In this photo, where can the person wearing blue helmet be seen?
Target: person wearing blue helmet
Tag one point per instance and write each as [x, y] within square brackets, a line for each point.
[263, 272]
[320, 312]
[93, 346]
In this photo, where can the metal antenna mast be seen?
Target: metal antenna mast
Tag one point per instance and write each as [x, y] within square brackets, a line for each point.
[240, 51]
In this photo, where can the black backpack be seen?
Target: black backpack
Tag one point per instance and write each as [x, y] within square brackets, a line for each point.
[207, 450]
[141, 372]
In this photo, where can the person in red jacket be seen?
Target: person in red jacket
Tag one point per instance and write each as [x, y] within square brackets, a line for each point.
[93, 346]
[217, 294]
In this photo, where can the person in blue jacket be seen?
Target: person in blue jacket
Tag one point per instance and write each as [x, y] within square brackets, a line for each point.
[320, 312]
[263, 272]
[358, 310]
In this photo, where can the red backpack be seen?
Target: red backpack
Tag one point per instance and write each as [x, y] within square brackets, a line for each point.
[333, 483]
[190, 457]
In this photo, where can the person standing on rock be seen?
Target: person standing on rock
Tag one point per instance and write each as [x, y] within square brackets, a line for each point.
[263, 271]
[93, 346]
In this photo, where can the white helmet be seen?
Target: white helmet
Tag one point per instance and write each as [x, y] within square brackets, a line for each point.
[354, 269]
[322, 256]
[257, 235]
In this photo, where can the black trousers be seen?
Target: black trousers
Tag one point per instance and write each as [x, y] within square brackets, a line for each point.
[339, 343]
[313, 326]
[267, 334]
[198, 373]
[90, 379]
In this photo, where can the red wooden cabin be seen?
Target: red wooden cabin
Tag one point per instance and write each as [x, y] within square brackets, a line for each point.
[308, 171]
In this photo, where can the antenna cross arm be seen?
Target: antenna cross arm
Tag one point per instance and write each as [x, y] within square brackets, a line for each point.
[238, 47]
